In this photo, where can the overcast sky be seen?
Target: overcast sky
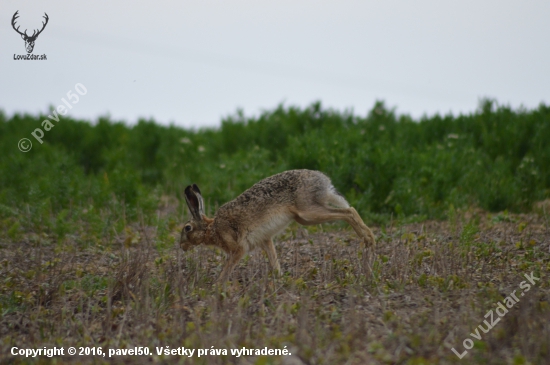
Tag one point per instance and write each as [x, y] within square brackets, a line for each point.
[193, 62]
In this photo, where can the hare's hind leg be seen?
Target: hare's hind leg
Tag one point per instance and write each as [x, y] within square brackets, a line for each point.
[368, 235]
[320, 214]
[269, 249]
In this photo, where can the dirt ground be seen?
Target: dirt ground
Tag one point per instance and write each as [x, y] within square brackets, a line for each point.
[427, 288]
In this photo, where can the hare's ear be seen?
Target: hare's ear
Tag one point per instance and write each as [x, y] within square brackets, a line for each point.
[193, 202]
[199, 196]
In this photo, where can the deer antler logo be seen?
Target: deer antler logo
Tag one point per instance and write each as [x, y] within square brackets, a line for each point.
[29, 40]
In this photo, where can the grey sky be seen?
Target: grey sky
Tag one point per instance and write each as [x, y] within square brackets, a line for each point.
[193, 62]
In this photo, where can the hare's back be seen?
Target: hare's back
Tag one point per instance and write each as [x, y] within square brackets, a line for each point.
[287, 187]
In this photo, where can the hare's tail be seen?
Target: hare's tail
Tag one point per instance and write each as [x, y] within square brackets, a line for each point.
[336, 199]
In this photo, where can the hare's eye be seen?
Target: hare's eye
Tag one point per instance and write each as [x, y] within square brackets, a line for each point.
[188, 228]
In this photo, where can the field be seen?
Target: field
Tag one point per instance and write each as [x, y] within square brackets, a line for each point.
[90, 221]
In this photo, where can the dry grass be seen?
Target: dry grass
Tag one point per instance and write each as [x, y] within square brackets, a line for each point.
[423, 291]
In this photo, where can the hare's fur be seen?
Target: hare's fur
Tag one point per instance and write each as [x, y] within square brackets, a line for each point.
[254, 217]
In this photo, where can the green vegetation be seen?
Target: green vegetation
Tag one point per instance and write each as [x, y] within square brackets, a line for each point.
[497, 159]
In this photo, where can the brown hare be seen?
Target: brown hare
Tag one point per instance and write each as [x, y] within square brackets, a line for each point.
[255, 216]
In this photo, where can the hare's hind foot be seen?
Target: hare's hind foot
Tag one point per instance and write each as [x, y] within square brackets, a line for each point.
[362, 230]
[368, 238]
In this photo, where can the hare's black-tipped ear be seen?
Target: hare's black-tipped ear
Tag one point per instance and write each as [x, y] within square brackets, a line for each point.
[193, 202]
[199, 196]
[196, 188]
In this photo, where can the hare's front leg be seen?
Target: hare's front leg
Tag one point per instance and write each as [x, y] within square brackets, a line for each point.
[232, 259]
[269, 249]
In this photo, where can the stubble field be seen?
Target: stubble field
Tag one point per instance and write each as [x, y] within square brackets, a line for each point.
[423, 291]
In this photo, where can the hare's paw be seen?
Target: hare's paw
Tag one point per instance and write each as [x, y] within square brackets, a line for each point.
[369, 239]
